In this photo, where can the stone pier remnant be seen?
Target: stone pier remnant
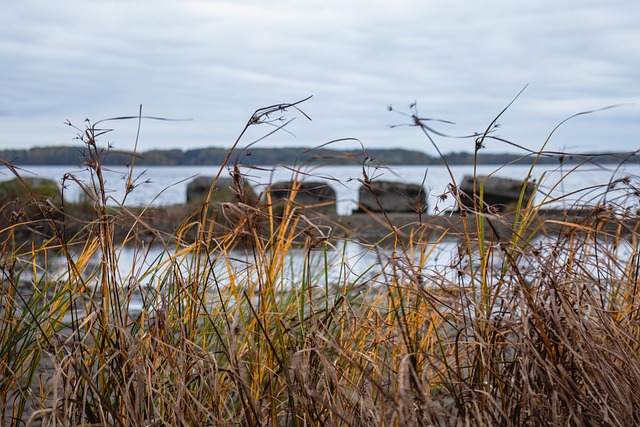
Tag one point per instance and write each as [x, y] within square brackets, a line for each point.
[224, 191]
[499, 194]
[392, 197]
[314, 196]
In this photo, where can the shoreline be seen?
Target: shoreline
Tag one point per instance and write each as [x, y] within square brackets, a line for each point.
[161, 224]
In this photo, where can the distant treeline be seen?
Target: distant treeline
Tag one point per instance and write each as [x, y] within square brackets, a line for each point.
[65, 155]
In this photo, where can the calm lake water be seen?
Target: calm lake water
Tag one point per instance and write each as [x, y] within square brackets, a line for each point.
[165, 185]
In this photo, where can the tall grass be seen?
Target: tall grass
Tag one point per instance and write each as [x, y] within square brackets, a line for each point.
[528, 328]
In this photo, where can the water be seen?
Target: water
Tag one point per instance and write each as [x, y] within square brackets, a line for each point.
[142, 270]
[165, 185]
[161, 185]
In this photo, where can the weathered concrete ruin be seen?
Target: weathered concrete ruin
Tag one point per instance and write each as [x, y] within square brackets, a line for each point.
[224, 191]
[314, 196]
[392, 197]
[498, 194]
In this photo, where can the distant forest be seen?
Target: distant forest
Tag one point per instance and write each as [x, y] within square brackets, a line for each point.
[65, 155]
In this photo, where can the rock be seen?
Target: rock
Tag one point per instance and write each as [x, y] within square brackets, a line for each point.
[41, 188]
[502, 194]
[313, 196]
[387, 196]
[224, 191]
[25, 215]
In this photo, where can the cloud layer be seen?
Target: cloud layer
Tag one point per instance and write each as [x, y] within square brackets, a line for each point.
[217, 61]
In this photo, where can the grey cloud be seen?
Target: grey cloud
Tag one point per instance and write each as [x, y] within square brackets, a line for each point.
[218, 61]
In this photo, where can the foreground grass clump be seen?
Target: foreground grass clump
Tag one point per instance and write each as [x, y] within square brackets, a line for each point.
[524, 329]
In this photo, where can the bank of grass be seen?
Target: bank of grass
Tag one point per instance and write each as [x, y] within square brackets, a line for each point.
[518, 330]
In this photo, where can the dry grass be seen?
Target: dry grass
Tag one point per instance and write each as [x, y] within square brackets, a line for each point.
[519, 331]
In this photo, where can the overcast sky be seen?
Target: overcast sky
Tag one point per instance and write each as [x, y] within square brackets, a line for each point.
[215, 62]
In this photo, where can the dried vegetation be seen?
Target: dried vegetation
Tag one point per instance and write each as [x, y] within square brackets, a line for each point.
[527, 329]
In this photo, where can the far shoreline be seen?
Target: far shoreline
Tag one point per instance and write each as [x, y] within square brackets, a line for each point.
[72, 156]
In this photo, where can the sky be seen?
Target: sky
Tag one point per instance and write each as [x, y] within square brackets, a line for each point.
[211, 64]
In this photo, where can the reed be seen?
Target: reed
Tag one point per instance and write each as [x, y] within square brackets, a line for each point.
[529, 328]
